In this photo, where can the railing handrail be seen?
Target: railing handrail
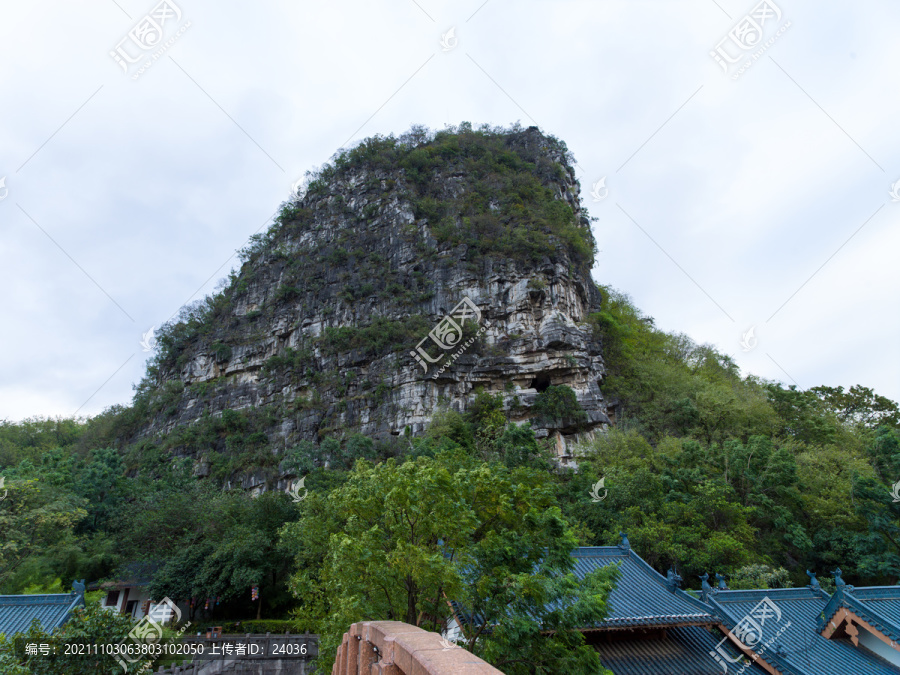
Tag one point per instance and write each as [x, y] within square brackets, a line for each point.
[402, 649]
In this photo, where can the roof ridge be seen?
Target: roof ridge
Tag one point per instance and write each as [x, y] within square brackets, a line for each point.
[870, 614]
[734, 592]
[661, 580]
[34, 598]
[866, 589]
[585, 549]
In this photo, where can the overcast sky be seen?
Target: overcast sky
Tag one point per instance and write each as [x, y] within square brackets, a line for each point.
[732, 200]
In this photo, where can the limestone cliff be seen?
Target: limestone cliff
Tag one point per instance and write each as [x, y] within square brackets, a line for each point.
[328, 326]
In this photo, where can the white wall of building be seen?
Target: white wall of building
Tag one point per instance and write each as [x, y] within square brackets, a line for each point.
[874, 644]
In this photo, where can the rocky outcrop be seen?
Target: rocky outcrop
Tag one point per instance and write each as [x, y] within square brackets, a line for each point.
[332, 322]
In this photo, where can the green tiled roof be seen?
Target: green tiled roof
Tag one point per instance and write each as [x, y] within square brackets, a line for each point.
[18, 611]
[799, 649]
[641, 597]
[877, 605]
[685, 651]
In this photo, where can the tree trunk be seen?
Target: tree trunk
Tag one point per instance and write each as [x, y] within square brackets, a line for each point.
[411, 596]
[259, 609]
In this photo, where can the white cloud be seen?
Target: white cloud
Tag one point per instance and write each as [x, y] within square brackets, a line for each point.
[151, 187]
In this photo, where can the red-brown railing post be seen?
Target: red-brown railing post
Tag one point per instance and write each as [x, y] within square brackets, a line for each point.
[396, 648]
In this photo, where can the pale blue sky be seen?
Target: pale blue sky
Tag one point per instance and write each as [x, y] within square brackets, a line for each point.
[127, 198]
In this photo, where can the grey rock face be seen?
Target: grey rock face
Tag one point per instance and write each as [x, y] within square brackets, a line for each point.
[321, 326]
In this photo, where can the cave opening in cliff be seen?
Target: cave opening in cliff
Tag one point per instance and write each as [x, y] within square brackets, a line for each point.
[540, 382]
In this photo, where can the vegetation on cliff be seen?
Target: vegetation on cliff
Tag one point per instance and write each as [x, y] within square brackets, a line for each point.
[498, 192]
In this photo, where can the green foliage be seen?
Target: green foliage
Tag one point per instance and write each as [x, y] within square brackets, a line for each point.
[802, 415]
[879, 549]
[32, 437]
[452, 426]
[235, 441]
[306, 457]
[218, 546]
[884, 453]
[221, 351]
[57, 518]
[673, 513]
[35, 520]
[808, 472]
[87, 625]
[518, 447]
[860, 406]
[488, 422]
[668, 385]
[395, 538]
[558, 405]
[509, 210]
[379, 337]
[298, 361]
[287, 293]
[759, 576]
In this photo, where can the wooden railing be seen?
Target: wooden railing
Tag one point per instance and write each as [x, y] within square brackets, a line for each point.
[396, 648]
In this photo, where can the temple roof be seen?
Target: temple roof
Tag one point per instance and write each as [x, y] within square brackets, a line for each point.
[783, 626]
[685, 650]
[52, 611]
[642, 597]
[879, 606]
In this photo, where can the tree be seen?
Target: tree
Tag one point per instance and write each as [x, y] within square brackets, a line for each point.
[758, 576]
[396, 541]
[518, 446]
[88, 625]
[34, 518]
[558, 405]
[519, 585]
[32, 437]
[166, 511]
[859, 406]
[213, 543]
[99, 481]
[672, 500]
[802, 415]
[236, 550]
[880, 547]
[488, 421]
[705, 530]
[884, 452]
